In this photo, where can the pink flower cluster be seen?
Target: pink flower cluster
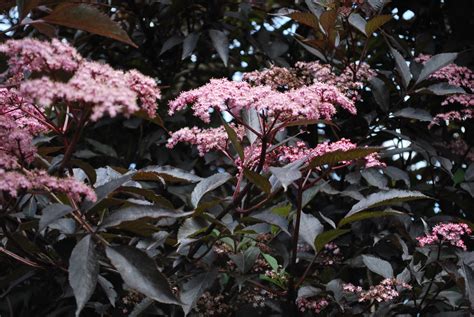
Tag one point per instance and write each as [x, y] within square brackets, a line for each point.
[457, 76]
[19, 123]
[206, 140]
[301, 151]
[382, 292]
[316, 101]
[31, 55]
[92, 86]
[447, 233]
[349, 81]
[37, 180]
[311, 305]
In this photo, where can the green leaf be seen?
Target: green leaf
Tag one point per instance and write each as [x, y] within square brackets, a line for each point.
[310, 228]
[245, 260]
[83, 271]
[435, 63]
[332, 158]
[375, 23]
[234, 139]
[385, 198]
[140, 273]
[138, 212]
[367, 215]
[402, 67]
[271, 261]
[87, 18]
[194, 288]
[378, 266]
[259, 180]
[358, 22]
[207, 185]
[286, 175]
[51, 213]
[328, 236]
[221, 44]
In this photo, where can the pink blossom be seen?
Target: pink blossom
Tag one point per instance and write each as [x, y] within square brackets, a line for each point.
[457, 76]
[312, 305]
[446, 233]
[16, 145]
[206, 140]
[382, 292]
[317, 101]
[32, 55]
[301, 151]
[97, 87]
[36, 180]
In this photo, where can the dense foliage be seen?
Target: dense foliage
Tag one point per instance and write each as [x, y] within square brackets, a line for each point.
[211, 158]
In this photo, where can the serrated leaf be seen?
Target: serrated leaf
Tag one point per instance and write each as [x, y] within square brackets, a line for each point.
[271, 261]
[234, 139]
[377, 5]
[83, 271]
[87, 18]
[259, 180]
[385, 198]
[441, 89]
[435, 63]
[286, 175]
[108, 289]
[138, 212]
[194, 288]
[357, 21]
[414, 113]
[402, 67]
[378, 266]
[376, 22]
[25, 6]
[328, 20]
[250, 117]
[310, 228]
[328, 236]
[305, 18]
[363, 215]
[189, 44]
[206, 185]
[245, 260]
[173, 174]
[332, 158]
[221, 44]
[170, 43]
[380, 93]
[105, 190]
[140, 273]
[51, 213]
[374, 178]
[267, 216]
